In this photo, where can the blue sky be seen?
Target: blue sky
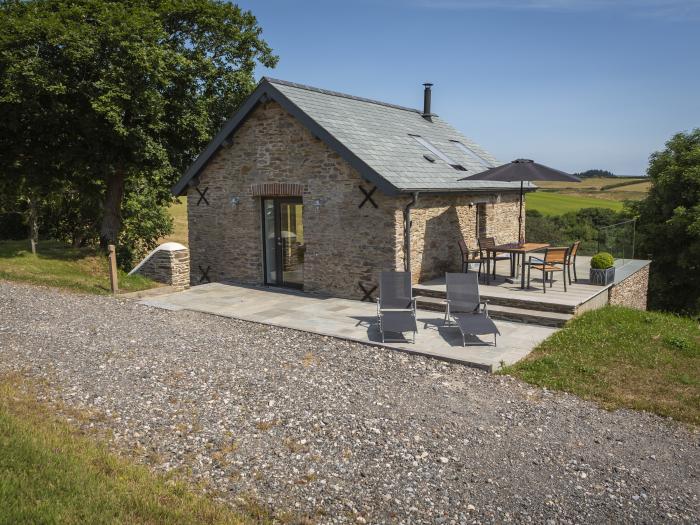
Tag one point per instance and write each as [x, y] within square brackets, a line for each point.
[570, 83]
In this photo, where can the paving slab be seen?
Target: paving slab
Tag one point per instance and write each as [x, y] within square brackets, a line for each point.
[354, 320]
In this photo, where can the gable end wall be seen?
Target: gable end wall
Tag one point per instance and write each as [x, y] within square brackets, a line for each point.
[345, 244]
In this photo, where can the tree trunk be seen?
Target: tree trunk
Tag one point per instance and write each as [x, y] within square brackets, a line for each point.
[112, 216]
[77, 241]
[33, 222]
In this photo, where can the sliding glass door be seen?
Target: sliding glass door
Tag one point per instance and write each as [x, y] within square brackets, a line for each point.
[283, 242]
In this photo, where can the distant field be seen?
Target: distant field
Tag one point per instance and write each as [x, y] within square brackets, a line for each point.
[638, 186]
[601, 188]
[178, 212]
[558, 203]
[604, 192]
[593, 183]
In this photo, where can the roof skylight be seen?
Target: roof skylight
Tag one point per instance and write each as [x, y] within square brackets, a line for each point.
[439, 154]
[473, 154]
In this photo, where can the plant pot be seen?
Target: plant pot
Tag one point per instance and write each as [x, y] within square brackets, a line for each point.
[602, 277]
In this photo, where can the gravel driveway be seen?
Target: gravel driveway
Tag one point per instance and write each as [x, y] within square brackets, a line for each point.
[340, 431]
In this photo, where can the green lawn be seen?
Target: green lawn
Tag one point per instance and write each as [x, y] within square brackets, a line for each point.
[50, 473]
[56, 264]
[178, 212]
[621, 357]
[551, 203]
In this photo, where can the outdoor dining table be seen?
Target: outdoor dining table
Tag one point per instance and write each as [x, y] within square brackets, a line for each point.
[513, 249]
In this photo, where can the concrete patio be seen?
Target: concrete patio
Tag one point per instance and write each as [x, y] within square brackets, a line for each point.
[353, 320]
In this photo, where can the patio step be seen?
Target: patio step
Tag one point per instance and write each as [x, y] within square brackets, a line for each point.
[505, 313]
[525, 304]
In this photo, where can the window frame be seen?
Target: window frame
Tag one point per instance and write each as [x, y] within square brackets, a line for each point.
[437, 152]
[466, 149]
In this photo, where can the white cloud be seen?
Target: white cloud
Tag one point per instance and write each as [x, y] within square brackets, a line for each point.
[667, 9]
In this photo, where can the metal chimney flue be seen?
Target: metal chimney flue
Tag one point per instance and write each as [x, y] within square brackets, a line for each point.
[427, 96]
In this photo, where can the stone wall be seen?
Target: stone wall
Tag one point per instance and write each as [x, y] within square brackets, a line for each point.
[344, 245]
[439, 221]
[502, 218]
[168, 267]
[632, 291]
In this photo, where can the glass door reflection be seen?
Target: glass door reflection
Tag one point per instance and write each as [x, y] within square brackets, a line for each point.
[283, 236]
[292, 232]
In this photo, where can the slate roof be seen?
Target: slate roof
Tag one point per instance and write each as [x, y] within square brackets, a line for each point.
[376, 138]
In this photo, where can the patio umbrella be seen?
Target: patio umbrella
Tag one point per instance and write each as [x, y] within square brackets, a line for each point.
[523, 170]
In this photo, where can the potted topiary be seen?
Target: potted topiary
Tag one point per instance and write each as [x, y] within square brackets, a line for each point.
[602, 269]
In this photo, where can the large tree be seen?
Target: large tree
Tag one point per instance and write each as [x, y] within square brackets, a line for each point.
[669, 223]
[113, 90]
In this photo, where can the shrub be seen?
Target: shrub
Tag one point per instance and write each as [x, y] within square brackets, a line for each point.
[602, 260]
[669, 225]
[583, 225]
[144, 223]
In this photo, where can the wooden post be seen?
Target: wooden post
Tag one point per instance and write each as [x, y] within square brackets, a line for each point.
[113, 281]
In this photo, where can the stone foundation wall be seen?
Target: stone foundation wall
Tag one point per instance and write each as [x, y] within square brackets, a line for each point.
[439, 221]
[632, 291]
[168, 267]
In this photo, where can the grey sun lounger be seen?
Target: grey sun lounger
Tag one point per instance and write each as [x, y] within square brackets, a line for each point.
[396, 307]
[465, 307]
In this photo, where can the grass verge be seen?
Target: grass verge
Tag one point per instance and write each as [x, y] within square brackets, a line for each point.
[52, 473]
[621, 357]
[55, 264]
[550, 203]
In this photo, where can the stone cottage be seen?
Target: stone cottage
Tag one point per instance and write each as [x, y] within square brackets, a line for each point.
[319, 190]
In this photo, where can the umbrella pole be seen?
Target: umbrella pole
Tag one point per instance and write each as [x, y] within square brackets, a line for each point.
[521, 238]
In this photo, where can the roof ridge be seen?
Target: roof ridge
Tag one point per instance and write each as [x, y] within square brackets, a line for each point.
[337, 94]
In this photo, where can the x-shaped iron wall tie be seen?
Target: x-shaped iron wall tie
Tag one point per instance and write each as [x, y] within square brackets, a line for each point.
[368, 196]
[205, 274]
[202, 195]
[367, 293]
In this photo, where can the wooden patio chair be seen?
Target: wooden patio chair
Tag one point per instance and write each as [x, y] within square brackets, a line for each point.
[554, 260]
[571, 260]
[490, 243]
[470, 257]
